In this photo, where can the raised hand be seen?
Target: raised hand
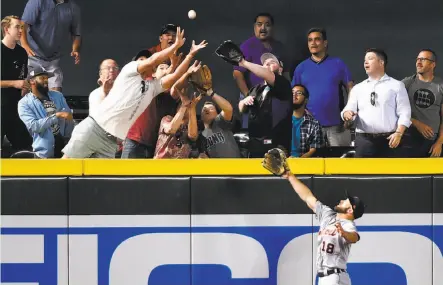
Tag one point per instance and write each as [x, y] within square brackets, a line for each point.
[179, 38]
[195, 48]
[194, 67]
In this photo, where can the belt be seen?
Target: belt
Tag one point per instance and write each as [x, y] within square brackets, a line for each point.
[327, 272]
[108, 135]
[374, 135]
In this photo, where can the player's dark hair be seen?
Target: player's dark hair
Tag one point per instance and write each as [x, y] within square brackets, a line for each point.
[217, 108]
[304, 87]
[322, 31]
[264, 14]
[380, 54]
[434, 55]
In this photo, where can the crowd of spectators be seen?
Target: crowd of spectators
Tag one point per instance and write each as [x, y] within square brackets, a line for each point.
[319, 109]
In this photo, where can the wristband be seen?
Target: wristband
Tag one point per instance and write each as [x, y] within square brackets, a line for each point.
[401, 134]
[212, 94]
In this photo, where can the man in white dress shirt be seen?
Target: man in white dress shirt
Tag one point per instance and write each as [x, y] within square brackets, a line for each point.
[108, 72]
[380, 107]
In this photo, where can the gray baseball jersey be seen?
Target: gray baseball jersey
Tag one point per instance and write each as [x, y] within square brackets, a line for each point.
[332, 249]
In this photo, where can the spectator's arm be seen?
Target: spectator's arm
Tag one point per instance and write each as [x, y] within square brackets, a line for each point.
[241, 82]
[351, 105]
[34, 125]
[192, 122]
[440, 134]
[69, 124]
[403, 109]
[171, 127]
[24, 40]
[317, 141]
[310, 153]
[259, 71]
[182, 82]
[224, 105]
[10, 83]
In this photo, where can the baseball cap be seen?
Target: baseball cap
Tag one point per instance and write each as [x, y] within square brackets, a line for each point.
[268, 55]
[168, 28]
[357, 204]
[38, 70]
[146, 53]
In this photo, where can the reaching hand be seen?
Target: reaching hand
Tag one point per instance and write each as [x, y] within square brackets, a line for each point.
[248, 101]
[340, 229]
[195, 67]
[175, 59]
[21, 84]
[179, 38]
[195, 48]
[28, 50]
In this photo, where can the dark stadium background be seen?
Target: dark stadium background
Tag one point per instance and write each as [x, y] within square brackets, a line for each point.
[118, 29]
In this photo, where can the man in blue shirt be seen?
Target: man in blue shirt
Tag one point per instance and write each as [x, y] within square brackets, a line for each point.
[307, 136]
[47, 24]
[46, 115]
[325, 76]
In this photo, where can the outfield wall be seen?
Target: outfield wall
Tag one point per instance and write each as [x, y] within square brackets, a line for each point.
[176, 222]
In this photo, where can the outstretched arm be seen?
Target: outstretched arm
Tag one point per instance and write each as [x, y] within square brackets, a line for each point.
[302, 190]
[259, 71]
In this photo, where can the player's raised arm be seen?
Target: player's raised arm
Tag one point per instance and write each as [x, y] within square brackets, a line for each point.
[275, 162]
[302, 190]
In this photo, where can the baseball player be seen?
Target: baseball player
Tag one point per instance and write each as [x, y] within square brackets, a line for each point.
[337, 232]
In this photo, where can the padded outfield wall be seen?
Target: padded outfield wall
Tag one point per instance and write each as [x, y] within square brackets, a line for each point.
[218, 222]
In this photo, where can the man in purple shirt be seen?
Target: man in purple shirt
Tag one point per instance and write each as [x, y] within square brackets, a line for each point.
[253, 48]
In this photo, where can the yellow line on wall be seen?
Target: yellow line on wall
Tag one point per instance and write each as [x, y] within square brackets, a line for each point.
[384, 166]
[41, 167]
[194, 167]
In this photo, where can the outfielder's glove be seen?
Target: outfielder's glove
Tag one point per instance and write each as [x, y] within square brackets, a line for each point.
[230, 52]
[275, 162]
[201, 80]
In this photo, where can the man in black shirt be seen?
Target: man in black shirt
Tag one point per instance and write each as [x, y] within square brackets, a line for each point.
[13, 84]
[269, 105]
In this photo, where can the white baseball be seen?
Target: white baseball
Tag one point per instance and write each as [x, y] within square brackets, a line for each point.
[192, 14]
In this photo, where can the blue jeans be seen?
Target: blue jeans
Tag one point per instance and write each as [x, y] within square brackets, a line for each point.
[134, 149]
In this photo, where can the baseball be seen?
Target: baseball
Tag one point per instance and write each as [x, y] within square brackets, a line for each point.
[192, 14]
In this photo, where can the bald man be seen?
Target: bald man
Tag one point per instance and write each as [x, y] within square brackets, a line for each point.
[107, 74]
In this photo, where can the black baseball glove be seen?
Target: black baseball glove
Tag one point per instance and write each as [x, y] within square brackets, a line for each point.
[229, 52]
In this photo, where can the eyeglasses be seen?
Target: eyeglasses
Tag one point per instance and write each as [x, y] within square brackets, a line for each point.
[110, 68]
[300, 93]
[373, 95]
[421, 59]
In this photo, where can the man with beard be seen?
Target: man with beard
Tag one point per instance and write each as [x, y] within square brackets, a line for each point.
[262, 42]
[325, 77]
[46, 115]
[380, 107]
[337, 232]
[307, 136]
[425, 91]
[268, 106]
[13, 83]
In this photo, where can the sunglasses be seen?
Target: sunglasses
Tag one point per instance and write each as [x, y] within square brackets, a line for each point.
[373, 95]
[300, 93]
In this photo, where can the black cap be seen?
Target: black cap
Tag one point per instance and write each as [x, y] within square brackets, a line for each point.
[146, 53]
[357, 205]
[38, 70]
[168, 28]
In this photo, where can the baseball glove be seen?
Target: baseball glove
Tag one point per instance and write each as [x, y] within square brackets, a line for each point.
[229, 52]
[275, 162]
[202, 79]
